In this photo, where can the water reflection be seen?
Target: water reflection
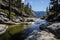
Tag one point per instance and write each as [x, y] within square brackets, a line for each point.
[26, 30]
[35, 26]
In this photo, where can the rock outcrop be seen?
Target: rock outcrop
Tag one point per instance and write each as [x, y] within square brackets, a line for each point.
[43, 35]
[54, 28]
[48, 32]
[3, 28]
[4, 18]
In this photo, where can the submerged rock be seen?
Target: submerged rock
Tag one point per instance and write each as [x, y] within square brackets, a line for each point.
[43, 35]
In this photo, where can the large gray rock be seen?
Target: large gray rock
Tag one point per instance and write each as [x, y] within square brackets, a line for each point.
[17, 19]
[3, 28]
[54, 28]
[1, 13]
[43, 35]
[3, 17]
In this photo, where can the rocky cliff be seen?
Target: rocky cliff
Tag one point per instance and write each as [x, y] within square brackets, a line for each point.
[13, 12]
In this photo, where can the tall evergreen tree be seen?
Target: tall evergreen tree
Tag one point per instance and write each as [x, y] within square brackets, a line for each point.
[54, 10]
[54, 4]
[9, 9]
[55, 7]
[47, 11]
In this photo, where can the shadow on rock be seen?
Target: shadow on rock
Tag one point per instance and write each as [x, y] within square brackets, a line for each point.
[54, 28]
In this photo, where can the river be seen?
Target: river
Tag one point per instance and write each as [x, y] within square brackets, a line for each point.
[35, 26]
[15, 34]
[26, 32]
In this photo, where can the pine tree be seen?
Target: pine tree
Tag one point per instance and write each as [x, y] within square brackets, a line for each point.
[30, 9]
[27, 8]
[9, 9]
[47, 11]
[54, 4]
[54, 10]
[55, 7]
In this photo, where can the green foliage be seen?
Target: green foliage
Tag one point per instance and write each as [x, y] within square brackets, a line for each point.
[21, 8]
[7, 12]
[54, 7]
[13, 14]
[54, 11]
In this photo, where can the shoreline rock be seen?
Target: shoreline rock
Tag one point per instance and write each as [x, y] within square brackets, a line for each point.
[53, 28]
[4, 19]
[43, 35]
[3, 28]
[48, 32]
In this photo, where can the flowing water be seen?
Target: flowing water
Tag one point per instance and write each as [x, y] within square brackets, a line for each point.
[35, 26]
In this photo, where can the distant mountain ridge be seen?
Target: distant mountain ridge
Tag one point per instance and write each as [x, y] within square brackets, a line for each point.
[40, 13]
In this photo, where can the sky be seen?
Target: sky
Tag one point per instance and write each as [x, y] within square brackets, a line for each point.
[38, 5]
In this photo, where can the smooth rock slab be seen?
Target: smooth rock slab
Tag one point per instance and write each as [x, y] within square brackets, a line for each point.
[54, 28]
[43, 35]
[3, 28]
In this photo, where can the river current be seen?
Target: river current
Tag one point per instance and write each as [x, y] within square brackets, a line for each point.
[35, 26]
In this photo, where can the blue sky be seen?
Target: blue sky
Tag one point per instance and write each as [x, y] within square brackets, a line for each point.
[38, 5]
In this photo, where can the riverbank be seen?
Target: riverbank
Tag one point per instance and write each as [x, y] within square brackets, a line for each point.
[17, 28]
[39, 30]
[54, 28]
[28, 21]
[48, 32]
[13, 30]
